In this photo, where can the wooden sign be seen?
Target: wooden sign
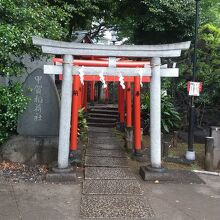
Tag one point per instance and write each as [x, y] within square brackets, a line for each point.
[194, 88]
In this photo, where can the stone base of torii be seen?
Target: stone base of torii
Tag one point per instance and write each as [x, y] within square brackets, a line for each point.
[155, 71]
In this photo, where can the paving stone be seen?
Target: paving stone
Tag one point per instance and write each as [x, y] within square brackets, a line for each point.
[103, 136]
[104, 146]
[112, 187]
[173, 176]
[98, 129]
[103, 141]
[101, 130]
[105, 161]
[108, 173]
[115, 207]
[105, 153]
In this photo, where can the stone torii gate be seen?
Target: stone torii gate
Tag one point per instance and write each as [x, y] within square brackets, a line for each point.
[155, 70]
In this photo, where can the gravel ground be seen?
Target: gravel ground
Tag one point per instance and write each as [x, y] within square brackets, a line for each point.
[17, 172]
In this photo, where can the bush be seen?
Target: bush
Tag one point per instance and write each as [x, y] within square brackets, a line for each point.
[12, 103]
[207, 72]
[170, 118]
[82, 125]
[208, 69]
[20, 20]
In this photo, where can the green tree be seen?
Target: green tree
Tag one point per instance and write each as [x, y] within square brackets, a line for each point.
[210, 12]
[209, 68]
[95, 16]
[152, 22]
[20, 20]
[208, 72]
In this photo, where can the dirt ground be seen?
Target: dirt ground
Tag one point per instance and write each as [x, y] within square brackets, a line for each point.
[178, 152]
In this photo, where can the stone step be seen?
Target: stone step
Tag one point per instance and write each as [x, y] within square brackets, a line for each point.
[101, 130]
[117, 207]
[104, 111]
[112, 187]
[101, 124]
[105, 146]
[105, 162]
[104, 107]
[105, 141]
[93, 134]
[105, 153]
[109, 173]
[101, 120]
[97, 115]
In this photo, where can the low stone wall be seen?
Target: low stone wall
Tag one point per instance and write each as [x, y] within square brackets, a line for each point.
[30, 150]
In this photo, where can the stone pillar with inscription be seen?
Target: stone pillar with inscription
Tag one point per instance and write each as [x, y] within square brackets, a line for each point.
[41, 117]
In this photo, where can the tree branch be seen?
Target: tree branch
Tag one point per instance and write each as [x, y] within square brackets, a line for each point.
[96, 32]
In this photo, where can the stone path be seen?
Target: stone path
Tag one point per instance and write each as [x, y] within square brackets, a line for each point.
[110, 189]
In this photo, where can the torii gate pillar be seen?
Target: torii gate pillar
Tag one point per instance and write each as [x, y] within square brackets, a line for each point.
[80, 96]
[74, 115]
[92, 92]
[155, 113]
[128, 105]
[107, 93]
[65, 113]
[121, 107]
[129, 130]
[85, 91]
[137, 116]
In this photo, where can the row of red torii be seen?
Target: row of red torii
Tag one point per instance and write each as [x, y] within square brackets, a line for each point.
[108, 65]
[80, 95]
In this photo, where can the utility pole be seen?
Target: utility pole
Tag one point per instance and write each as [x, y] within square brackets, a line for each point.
[190, 153]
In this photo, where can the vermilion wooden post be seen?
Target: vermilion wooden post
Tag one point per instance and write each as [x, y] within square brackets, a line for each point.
[85, 90]
[137, 116]
[119, 97]
[97, 92]
[74, 114]
[80, 96]
[88, 90]
[106, 94]
[122, 108]
[92, 92]
[128, 105]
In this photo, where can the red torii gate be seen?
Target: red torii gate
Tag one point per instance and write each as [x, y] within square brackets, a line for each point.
[80, 94]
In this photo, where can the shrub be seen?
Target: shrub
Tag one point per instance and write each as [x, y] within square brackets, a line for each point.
[12, 103]
[82, 125]
[170, 118]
